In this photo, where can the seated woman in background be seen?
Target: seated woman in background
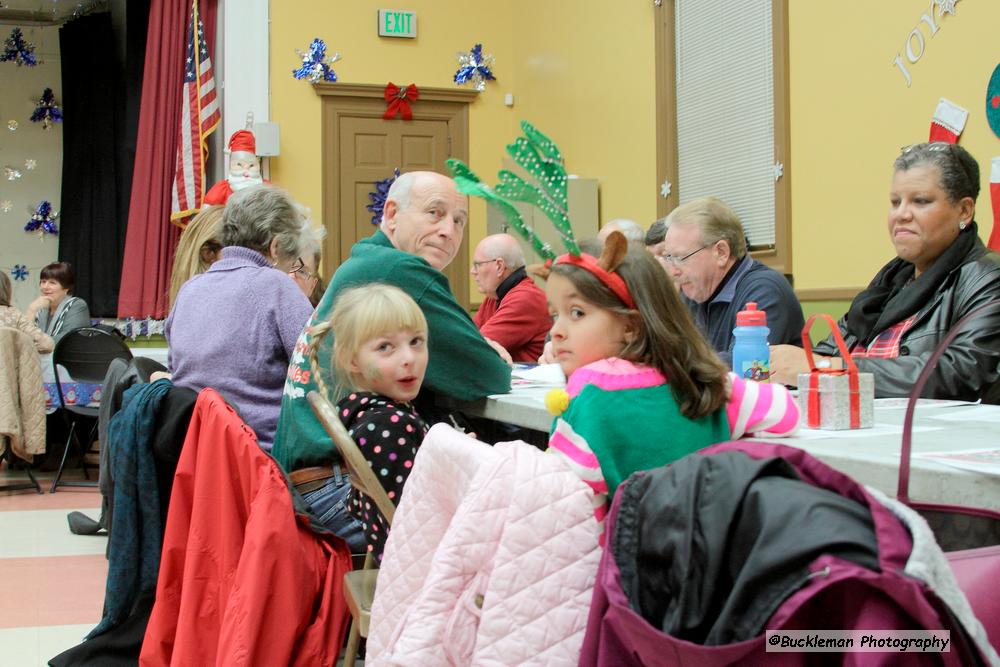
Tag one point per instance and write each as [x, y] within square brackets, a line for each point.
[12, 317]
[233, 328]
[55, 311]
[306, 275]
[644, 388]
[197, 249]
[941, 272]
[380, 351]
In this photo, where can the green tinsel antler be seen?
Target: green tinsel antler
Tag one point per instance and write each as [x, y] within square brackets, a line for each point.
[470, 184]
[540, 157]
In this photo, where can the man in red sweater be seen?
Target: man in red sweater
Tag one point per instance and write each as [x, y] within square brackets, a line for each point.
[514, 312]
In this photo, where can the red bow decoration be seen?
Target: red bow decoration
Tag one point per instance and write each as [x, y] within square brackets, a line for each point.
[399, 100]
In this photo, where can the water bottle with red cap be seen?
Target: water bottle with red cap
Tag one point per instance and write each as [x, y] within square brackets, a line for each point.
[751, 355]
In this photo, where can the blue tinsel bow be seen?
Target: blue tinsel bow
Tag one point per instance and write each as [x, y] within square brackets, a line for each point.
[16, 49]
[315, 65]
[474, 68]
[47, 111]
[19, 272]
[379, 195]
[43, 220]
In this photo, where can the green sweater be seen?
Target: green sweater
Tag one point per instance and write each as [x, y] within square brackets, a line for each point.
[622, 418]
[462, 365]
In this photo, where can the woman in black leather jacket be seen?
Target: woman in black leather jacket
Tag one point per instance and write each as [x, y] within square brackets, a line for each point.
[941, 272]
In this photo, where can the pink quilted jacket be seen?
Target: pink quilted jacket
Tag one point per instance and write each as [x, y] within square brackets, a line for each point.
[490, 561]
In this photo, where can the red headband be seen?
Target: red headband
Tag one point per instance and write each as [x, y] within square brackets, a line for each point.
[614, 282]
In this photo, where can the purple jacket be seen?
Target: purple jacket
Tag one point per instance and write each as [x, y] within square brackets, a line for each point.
[234, 329]
[837, 593]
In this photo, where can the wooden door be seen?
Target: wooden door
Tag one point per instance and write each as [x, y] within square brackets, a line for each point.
[360, 147]
[371, 148]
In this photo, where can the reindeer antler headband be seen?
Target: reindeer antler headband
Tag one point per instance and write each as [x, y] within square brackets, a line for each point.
[540, 157]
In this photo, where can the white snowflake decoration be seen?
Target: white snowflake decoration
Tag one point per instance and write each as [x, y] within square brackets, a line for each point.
[947, 6]
[6, 205]
[665, 189]
[779, 171]
[30, 164]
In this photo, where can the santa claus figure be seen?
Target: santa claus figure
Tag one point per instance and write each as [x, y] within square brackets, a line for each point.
[244, 168]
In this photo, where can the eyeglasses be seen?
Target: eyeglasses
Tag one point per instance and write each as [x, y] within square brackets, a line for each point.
[943, 147]
[677, 261]
[476, 265]
[932, 146]
[299, 267]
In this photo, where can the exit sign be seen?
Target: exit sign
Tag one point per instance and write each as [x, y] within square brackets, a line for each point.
[397, 23]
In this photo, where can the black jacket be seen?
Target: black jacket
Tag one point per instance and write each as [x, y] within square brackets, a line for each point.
[969, 368]
[711, 545]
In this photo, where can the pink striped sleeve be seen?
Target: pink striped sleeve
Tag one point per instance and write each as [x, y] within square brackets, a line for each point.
[574, 451]
[756, 407]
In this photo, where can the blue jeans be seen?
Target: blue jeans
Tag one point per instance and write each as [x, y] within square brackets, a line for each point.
[328, 504]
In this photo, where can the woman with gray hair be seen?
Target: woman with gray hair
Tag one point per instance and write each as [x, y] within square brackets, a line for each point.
[941, 272]
[234, 327]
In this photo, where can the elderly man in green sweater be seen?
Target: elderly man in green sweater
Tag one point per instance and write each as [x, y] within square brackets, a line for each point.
[422, 227]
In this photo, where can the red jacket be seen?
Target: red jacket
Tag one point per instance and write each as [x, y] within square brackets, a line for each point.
[519, 321]
[243, 580]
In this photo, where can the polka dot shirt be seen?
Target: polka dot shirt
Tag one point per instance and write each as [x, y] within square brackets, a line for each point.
[388, 434]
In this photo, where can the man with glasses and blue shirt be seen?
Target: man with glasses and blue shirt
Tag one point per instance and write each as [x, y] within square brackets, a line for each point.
[705, 252]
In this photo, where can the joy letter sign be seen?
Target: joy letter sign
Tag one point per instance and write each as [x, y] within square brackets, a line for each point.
[914, 45]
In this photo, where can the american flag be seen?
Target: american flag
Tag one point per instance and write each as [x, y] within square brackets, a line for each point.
[199, 117]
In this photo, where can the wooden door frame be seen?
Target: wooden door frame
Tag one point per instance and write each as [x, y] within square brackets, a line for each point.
[365, 100]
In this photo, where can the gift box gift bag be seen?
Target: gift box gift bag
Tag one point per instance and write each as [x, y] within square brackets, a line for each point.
[835, 399]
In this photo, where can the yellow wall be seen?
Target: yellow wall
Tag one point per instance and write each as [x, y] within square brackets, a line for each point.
[582, 72]
[350, 28]
[851, 111]
[585, 75]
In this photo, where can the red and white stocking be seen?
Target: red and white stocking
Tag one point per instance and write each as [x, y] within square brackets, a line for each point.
[994, 243]
[948, 123]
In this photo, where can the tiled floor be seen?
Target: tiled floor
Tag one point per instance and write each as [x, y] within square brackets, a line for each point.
[51, 581]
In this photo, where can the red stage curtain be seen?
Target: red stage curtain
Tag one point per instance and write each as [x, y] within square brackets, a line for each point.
[150, 238]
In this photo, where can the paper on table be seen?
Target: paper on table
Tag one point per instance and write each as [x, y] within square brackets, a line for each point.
[542, 374]
[876, 431]
[921, 403]
[974, 413]
[529, 393]
[986, 461]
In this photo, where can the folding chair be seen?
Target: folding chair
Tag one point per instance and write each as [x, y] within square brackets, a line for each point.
[12, 461]
[85, 354]
[359, 585]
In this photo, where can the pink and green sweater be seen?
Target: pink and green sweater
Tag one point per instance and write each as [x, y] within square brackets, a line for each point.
[622, 418]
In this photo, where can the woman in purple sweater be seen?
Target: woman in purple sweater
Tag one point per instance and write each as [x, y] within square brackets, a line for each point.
[234, 327]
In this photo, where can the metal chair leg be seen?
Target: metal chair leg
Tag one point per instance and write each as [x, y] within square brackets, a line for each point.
[13, 461]
[62, 463]
[31, 476]
[353, 641]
